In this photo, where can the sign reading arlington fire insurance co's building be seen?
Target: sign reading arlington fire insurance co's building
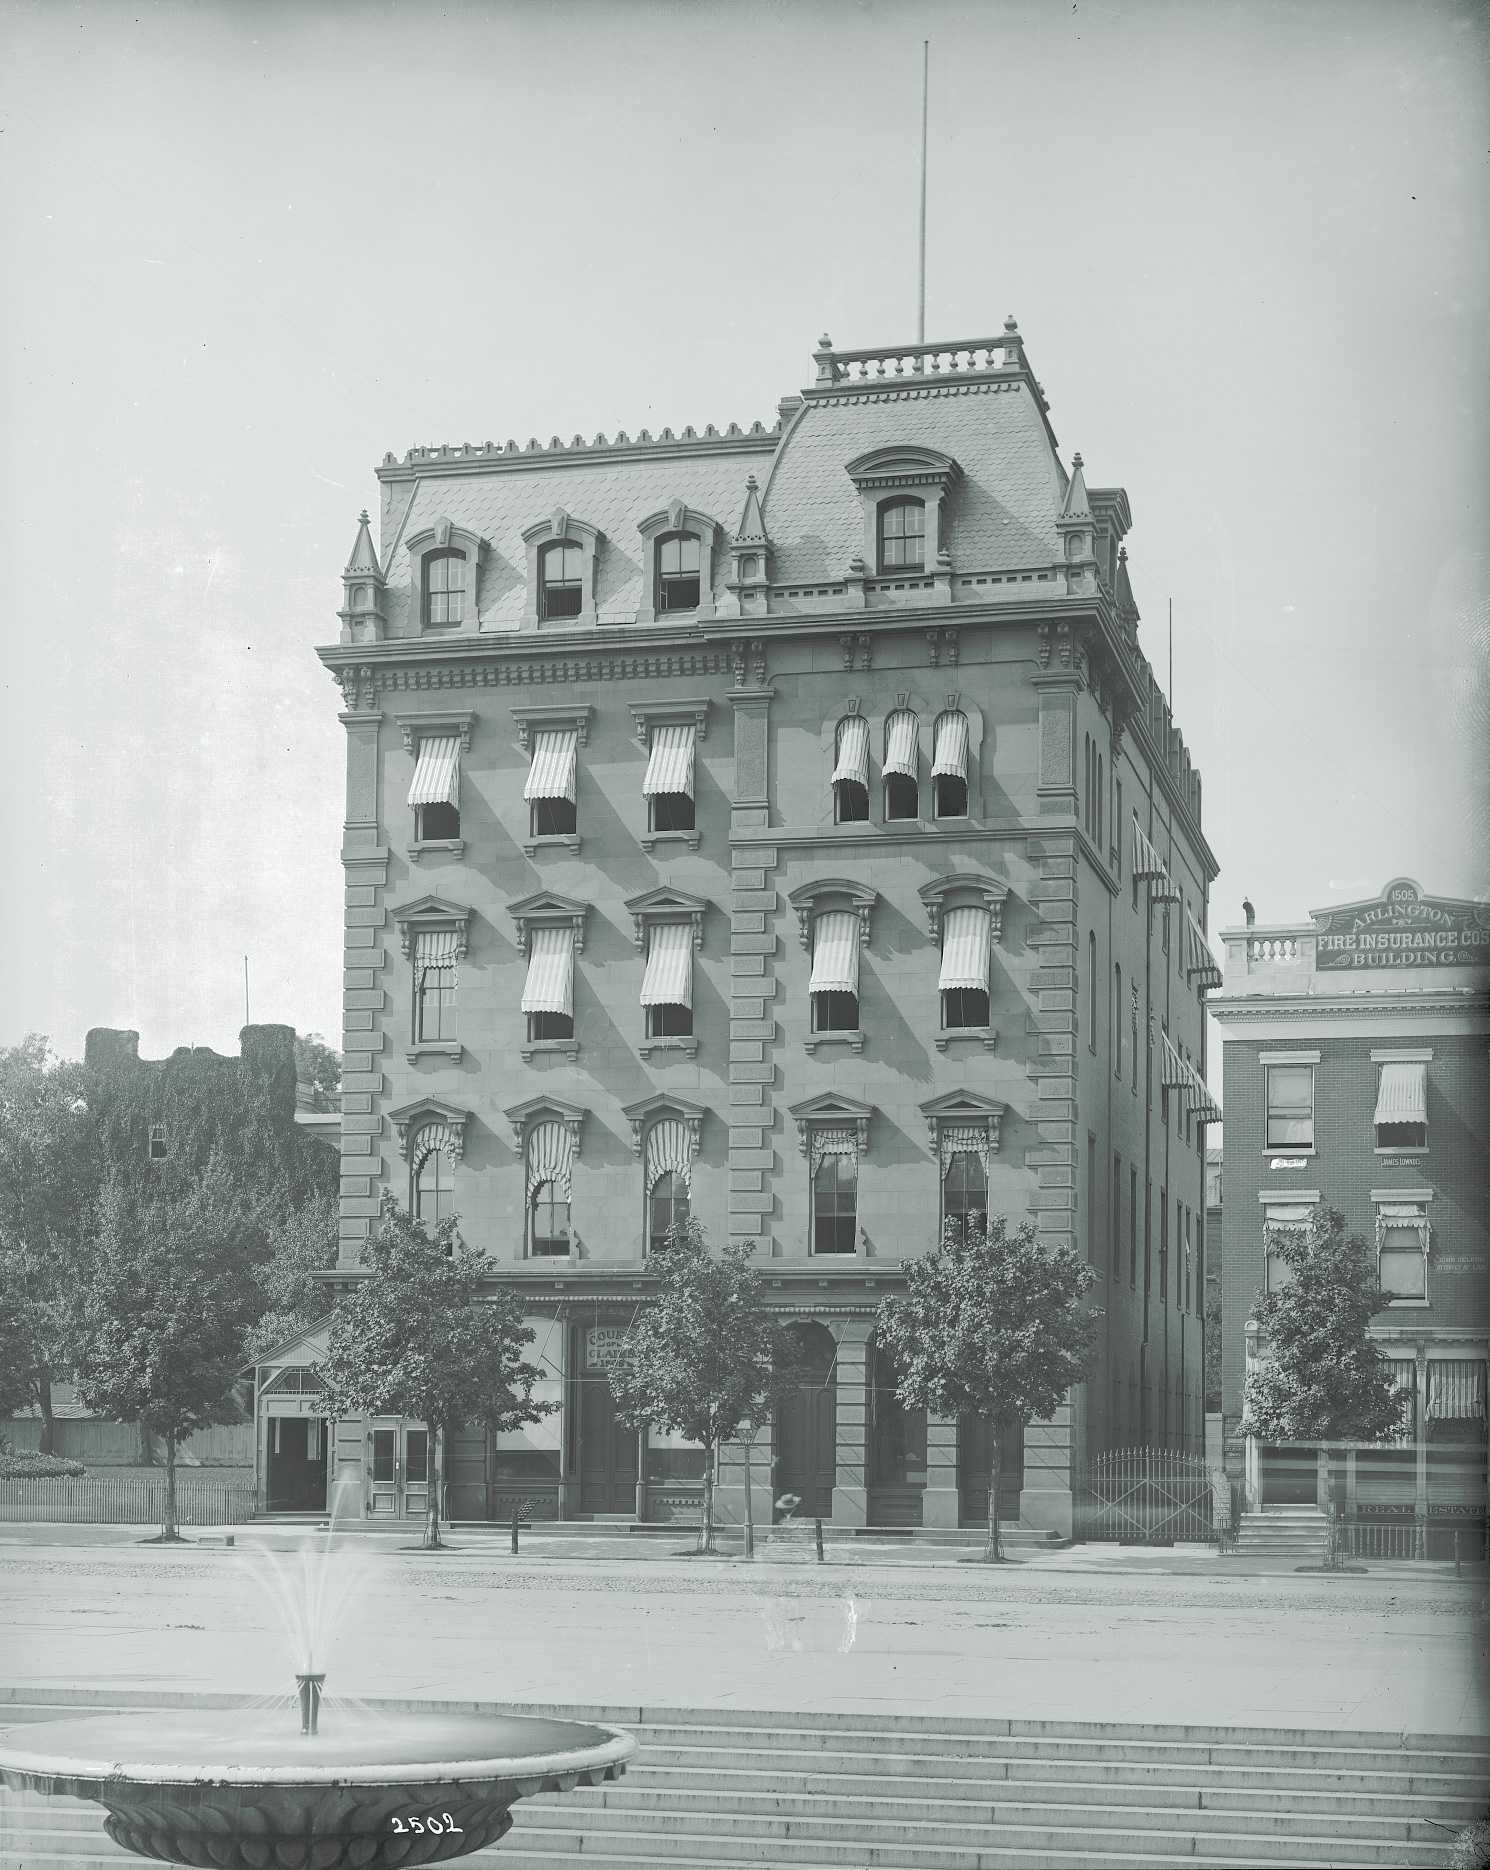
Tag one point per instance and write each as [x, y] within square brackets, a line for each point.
[1404, 928]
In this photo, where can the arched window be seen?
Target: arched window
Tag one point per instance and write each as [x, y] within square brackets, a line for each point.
[902, 763]
[851, 771]
[902, 535]
[562, 580]
[1101, 800]
[678, 563]
[434, 1187]
[667, 1207]
[964, 1191]
[548, 1216]
[835, 1204]
[949, 744]
[444, 589]
[834, 983]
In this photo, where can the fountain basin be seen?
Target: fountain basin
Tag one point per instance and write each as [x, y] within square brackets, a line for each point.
[227, 1790]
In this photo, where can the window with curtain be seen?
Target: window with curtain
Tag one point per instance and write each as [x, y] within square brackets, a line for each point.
[561, 580]
[668, 1170]
[964, 1191]
[1402, 1250]
[1290, 1106]
[549, 1159]
[667, 1206]
[1279, 1219]
[444, 589]
[902, 535]
[835, 1204]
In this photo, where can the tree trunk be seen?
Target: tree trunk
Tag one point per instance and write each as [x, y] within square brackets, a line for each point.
[147, 1447]
[749, 1507]
[169, 1529]
[432, 1518]
[706, 1518]
[991, 1552]
[44, 1403]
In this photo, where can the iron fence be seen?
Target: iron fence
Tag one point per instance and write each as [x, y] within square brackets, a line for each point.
[118, 1500]
[1147, 1496]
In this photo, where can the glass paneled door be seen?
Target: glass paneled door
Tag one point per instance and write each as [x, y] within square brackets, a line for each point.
[398, 1470]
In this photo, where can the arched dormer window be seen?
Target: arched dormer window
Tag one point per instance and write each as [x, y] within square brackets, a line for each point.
[561, 580]
[901, 534]
[446, 562]
[679, 546]
[677, 572]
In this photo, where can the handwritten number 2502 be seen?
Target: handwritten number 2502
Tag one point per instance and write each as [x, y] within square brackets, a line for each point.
[443, 1823]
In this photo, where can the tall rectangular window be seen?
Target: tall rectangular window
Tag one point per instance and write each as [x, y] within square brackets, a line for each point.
[1148, 1234]
[1290, 1106]
[1116, 1242]
[1163, 1243]
[1091, 1198]
[1133, 1227]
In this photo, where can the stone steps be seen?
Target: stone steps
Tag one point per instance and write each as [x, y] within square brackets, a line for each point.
[740, 1790]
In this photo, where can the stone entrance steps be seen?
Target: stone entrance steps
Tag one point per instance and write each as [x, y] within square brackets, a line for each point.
[730, 1790]
[1283, 1531]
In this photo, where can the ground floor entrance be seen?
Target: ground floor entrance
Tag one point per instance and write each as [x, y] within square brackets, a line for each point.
[295, 1464]
[397, 1470]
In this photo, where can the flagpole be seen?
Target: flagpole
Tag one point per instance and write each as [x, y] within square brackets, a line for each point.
[921, 258]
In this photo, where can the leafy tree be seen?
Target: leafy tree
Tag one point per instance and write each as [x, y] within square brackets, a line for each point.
[1320, 1377]
[168, 1297]
[990, 1325]
[302, 1242]
[704, 1358]
[425, 1335]
[47, 1181]
[1211, 1327]
[319, 1067]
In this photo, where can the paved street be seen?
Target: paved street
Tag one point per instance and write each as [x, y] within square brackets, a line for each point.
[1059, 1640]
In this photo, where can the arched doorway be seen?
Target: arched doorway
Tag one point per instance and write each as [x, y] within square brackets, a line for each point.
[896, 1450]
[807, 1425]
[974, 1446]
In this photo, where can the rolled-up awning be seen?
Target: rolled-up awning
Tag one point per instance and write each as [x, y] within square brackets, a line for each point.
[1403, 1094]
[853, 750]
[667, 1150]
[550, 984]
[835, 953]
[670, 763]
[965, 949]
[949, 746]
[550, 1157]
[437, 771]
[902, 743]
[668, 980]
[436, 948]
[551, 775]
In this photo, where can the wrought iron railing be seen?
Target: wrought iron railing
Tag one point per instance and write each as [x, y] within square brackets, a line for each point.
[124, 1500]
[1147, 1496]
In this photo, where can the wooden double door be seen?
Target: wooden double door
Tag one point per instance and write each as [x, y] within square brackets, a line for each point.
[807, 1427]
[608, 1452]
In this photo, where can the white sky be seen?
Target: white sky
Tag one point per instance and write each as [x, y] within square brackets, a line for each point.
[251, 248]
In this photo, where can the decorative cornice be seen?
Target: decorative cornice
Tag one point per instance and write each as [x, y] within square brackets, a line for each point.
[666, 905]
[431, 912]
[649, 714]
[547, 909]
[533, 1110]
[992, 892]
[531, 721]
[809, 900]
[649, 1110]
[486, 457]
[416, 727]
[408, 1119]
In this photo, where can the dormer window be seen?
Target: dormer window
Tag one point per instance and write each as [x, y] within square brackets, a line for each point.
[902, 535]
[678, 562]
[444, 589]
[563, 580]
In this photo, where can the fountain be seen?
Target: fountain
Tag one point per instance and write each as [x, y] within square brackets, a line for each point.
[309, 1784]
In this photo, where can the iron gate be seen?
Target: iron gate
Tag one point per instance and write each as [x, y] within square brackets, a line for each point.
[1147, 1496]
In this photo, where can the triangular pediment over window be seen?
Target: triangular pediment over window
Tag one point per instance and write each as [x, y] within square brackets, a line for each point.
[957, 1112]
[409, 1119]
[431, 912]
[649, 1110]
[533, 1110]
[831, 1110]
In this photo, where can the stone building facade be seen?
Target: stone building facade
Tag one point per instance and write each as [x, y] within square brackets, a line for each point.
[782, 823]
[1357, 1074]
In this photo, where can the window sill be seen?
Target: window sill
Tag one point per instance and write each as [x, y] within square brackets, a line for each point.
[453, 847]
[1395, 1304]
[684, 1044]
[433, 1048]
[1290, 1155]
[685, 840]
[551, 1259]
[563, 1048]
[986, 1036]
[854, 1040]
[552, 840]
[1401, 1149]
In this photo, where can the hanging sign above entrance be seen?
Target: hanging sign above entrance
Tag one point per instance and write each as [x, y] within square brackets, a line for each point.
[601, 1344]
[1403, 928]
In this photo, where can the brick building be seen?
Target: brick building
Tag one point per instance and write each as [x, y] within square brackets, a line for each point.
[784, 824]
[1356, 1074]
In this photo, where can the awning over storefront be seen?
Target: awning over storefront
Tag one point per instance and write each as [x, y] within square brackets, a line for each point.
[551, 775]
[853, 750]
[437, 771]
[668, 980]
[1456, 1389]
[835, 953]
[550, 984]
[965, 949]
[1402, 1096]
[670, 763]
[949, 746]
[902, 743]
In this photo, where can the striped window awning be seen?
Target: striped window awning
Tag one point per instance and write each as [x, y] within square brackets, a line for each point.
[1456, 1389]
[1289, 1214]
[902, 743]
[432, 1136]
[670, 763]
[550, 1156]
[853, 750]
[1394, 1218]
[668, 980]
[835, 953]
[551, 775]
[966, 945]
[437, 771]
[1149, 867]
[1174, 1073]
[1199, 959]
[1402, 1096]
[667, 1150]
[550, 984]
[1198, 1096]
[949, 746]
[436, 948]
